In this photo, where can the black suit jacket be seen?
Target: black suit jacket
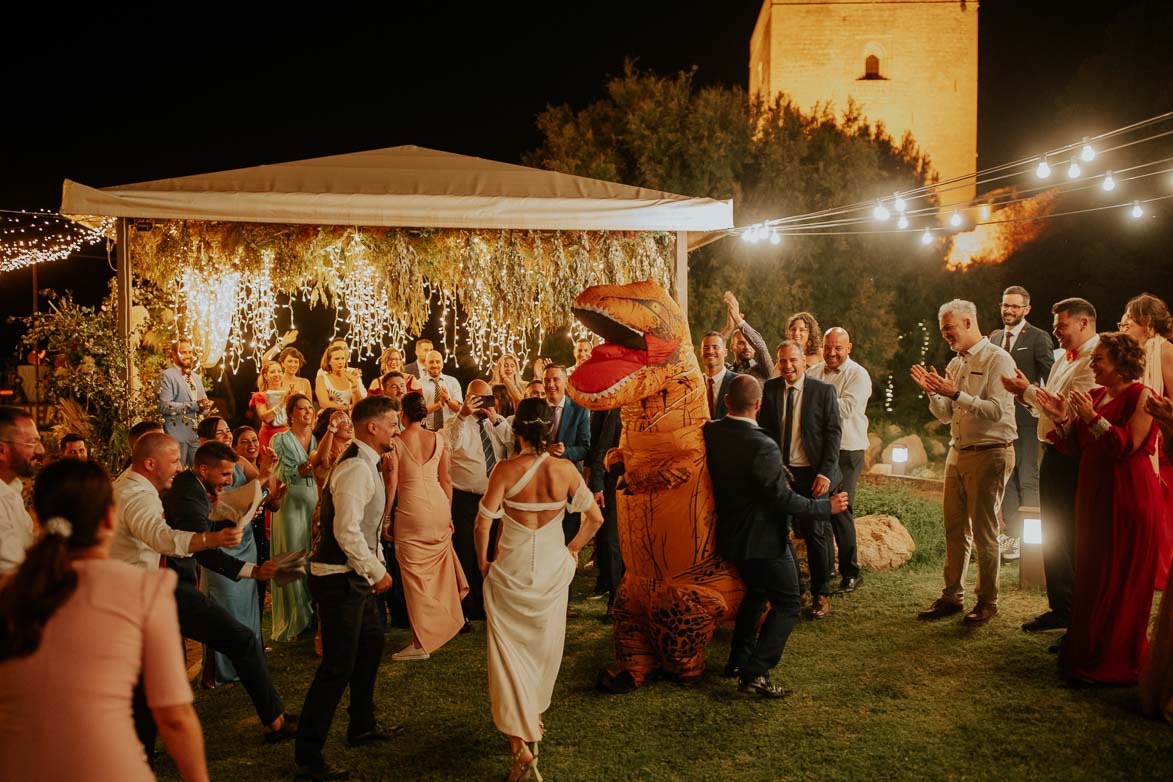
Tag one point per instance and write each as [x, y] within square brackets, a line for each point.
[1033, 353]
[752, 495]
[819, 424]
[606, 426]
[719, 409]
[186, 506]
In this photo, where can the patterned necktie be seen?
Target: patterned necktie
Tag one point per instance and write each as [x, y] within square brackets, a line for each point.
[787, 423]
[712, 406]
[555, 423]
[438, 416]
[487, 446]
[1006, 341]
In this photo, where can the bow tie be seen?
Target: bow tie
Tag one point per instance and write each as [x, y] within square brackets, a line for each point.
[1072, 355]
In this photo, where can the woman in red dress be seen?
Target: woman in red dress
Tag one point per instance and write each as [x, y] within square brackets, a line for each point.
[1118, 510]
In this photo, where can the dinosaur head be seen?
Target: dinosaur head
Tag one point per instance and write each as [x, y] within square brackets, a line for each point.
[645, 343]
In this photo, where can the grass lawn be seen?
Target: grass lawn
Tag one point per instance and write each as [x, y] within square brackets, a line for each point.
[876, 695]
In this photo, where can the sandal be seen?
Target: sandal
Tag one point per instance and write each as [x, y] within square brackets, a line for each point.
[528, 771]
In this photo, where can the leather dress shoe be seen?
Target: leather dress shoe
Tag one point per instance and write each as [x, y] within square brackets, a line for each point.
[732, 671]
[940, 609]
[981, 614]
[377, 732]
[320, 771]
[288, 730]
[851, 583]
[821, 607]
[1043, 622]
[467, 627]
[761, 685]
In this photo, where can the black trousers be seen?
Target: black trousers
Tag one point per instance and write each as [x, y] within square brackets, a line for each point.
[352, 645]
[392, 603]
[608, 555]
[202, 619]
[464, 517]
[816, 531]
[1023, 486]
[774, 581]
[843, 524]
[1058, 478]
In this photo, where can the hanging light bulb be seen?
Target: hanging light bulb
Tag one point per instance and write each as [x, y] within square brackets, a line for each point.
[1137, 210]
[775, 237]
[955, 220]
[984, 212]
[1109, 184]
[880, 212]
[902, 223]
[747, 235]
[1044, 170]
[899, 203]
[926, 237]
[1073, 171]
[1087, 154]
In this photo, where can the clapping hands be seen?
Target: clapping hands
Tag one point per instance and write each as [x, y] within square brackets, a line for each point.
[933, 383]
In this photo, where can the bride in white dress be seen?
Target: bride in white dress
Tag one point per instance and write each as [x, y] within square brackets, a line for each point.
[526, 584]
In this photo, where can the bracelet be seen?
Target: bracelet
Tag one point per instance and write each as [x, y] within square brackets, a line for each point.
[332, 429]
[204, 539]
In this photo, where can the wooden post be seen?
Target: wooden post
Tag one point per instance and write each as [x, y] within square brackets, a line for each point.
[125, 281]
[681, 292]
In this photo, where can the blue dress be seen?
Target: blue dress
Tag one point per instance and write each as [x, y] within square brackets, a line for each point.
[292, 609]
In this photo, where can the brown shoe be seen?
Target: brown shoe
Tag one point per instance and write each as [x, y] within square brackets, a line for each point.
[981, 613]
[821, 607]
[940, 609]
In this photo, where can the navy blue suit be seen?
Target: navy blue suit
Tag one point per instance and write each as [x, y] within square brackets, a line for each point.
[574, 431]
[820, 432]
[719, 392]
[753, 501]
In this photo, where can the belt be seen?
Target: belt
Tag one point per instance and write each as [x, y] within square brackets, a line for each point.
[986, 447]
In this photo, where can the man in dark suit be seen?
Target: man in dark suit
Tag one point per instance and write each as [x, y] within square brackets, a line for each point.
[417, 368]
[570, 436]
[753, 501]
[606, 426]
[802, 415]
[1033, 352]
[717, 375]
[187, 507]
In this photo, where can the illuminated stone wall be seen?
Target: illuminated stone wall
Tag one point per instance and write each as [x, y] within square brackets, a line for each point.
[926, 53]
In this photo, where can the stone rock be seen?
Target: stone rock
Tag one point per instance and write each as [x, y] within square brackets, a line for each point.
[938, 449]
[875, 448]
[880, 469]
[882, 543]
[916, 452]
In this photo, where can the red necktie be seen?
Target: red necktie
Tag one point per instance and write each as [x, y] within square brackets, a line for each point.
[1072, 355]
[1006, 341]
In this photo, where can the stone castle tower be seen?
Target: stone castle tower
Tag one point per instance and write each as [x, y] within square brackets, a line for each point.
[911, 64]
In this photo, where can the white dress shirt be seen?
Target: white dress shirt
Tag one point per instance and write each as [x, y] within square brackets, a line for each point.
[1014, 332]
[142, 533]
[984, 411]
[428, 387]
[360, 497]
[467, 465]
[1067, 375]
[16, 526]
[798, 457]
[853, 386]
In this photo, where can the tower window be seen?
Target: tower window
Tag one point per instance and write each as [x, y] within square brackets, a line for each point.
[871, 68]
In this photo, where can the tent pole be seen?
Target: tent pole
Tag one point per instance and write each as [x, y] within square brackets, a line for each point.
[122, 239]
[681, 292]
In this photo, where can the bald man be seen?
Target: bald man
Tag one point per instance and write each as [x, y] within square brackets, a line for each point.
[441, 392]
[479, 438]
[853, 387]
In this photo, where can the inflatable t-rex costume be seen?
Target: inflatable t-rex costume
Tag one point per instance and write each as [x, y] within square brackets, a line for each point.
[677, 588]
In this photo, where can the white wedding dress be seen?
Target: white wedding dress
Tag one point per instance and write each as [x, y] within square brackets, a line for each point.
[525, 602]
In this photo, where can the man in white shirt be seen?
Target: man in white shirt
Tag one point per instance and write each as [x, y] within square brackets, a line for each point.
[853, 388]
[717, 375]
[479, 438]
[441, 393]
[21, 454]
[1075, 329]
[970, 398]
[346, 573]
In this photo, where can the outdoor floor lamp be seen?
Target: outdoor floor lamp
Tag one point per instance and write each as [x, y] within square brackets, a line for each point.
[1030, 564]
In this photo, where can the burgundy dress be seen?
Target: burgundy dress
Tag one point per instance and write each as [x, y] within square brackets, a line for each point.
[1118, 510]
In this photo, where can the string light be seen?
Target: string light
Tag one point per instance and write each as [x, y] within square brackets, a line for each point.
[29, 238]
[1109, 184]
[926, 237]
[1073, 170]
[899, 202]
[1087, 154]
[955, 220]
[902, 223]
[880, 212]
[1043, 170]
[775, 237]
[1137, 210]
[984, 212]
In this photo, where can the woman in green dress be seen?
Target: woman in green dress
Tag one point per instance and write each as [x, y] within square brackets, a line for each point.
[292, 612]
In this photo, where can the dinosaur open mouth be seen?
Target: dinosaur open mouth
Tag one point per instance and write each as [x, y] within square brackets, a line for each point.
[623, 353]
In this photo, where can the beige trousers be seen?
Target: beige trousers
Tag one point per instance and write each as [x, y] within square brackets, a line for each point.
[974, 484]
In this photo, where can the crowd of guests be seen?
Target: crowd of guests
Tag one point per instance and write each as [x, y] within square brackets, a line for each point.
[419, 502]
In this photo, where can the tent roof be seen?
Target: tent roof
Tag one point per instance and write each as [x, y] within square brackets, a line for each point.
[404, 186]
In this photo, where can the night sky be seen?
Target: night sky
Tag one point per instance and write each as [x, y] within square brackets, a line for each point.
[115, 98]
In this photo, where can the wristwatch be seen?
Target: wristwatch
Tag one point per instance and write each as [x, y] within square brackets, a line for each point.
[956, 395]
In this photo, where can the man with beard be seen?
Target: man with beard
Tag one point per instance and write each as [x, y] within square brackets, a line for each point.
[21, 453]
[182, 399]
[750, 354]
[717, 375]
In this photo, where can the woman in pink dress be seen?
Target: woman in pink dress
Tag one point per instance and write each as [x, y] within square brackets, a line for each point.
[269, 402]
[1118, 510]
[77, 631]
[433, 580]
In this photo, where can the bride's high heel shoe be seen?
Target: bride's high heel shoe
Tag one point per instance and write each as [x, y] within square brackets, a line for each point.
[528, 771]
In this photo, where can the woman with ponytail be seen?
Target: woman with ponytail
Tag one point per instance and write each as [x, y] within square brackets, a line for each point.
[77, 630]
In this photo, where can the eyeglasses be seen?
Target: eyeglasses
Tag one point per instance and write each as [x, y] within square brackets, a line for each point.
[1014, 306]
[38, 443]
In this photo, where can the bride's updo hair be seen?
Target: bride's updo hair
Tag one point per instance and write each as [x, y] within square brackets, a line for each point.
[532, 422]
[414, 406]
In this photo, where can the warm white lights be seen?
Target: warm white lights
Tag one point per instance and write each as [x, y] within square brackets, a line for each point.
[899, 454]
[1109, 184]
[31, 238]
[984, 212]
[1043, 170]
[899, 202]
[775, 237]
[926, 237]
[880, 212]
[1032, 532]
[902, 223]
[955, 220]
[1073, 170]
[1137, 210]
[1087, 154]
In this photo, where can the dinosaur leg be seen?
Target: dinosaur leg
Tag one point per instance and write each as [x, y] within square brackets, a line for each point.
[635, 652]
[683, 619]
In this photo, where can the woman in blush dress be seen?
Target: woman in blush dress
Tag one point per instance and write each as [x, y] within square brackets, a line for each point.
[1148, 321]
[507, 372]
[804, 329]
[77, 631]
[526, 583]
[292, 612]
[269, 402]
[1118, 507]
[433, 581]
